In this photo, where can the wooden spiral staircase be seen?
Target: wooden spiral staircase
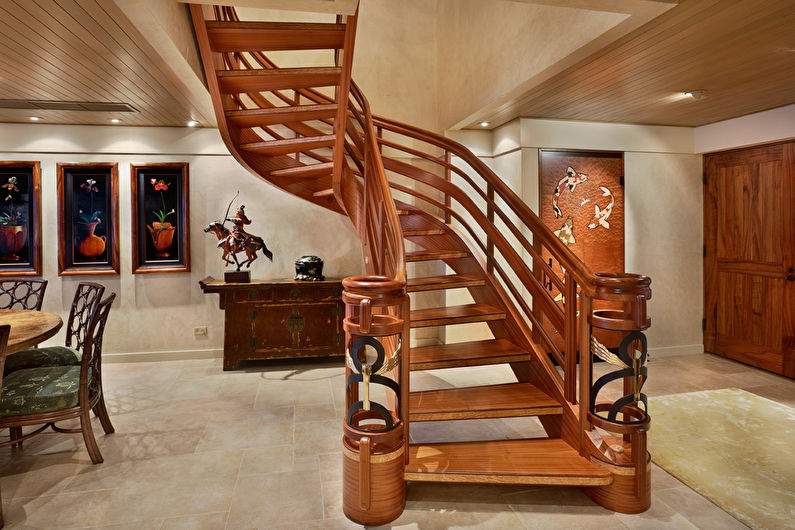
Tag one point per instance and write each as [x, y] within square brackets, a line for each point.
[309, 131]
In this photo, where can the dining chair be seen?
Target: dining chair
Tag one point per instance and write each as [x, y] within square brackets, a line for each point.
[45, 395]
[4, 332]
[22, 293]
[87, 296]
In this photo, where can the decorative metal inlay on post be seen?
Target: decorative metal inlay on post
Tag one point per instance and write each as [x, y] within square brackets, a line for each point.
[362, 372]
[632, 363]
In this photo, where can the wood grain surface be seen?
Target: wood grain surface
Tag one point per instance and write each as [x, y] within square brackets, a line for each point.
[29, 328]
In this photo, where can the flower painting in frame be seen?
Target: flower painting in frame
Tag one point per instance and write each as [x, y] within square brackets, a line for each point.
[20, 219]
[160, 216]
[88, 218]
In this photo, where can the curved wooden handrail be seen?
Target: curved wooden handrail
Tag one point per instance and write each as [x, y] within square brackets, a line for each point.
[582, 273]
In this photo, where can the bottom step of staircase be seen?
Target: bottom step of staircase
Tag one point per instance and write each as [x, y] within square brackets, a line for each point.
[533, 461]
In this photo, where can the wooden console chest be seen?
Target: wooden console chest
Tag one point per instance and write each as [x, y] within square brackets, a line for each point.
[279, 319]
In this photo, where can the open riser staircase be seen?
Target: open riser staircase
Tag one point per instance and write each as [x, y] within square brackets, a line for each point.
[417, 197]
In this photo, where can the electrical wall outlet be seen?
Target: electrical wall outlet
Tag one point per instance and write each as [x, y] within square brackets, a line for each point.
[200, 331]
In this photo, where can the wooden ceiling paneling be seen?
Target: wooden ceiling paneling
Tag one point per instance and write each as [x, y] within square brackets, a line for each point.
[742, 52]
[74, 50]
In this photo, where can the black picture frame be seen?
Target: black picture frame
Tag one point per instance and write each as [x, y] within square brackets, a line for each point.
[20, 218]
[160, 217]
[88, 218]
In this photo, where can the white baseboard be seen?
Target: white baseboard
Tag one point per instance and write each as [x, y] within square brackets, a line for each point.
[672, 351]
[151, 356]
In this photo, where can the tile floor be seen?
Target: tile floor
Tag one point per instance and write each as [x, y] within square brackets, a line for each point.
[198, 448]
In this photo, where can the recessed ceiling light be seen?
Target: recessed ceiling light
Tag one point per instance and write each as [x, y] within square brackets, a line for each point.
[115, 120]
[34, 118]
[193, 123]
[484, 124]
[696, 94]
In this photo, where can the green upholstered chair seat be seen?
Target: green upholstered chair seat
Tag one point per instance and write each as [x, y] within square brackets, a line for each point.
[42, 357]
[35, 390]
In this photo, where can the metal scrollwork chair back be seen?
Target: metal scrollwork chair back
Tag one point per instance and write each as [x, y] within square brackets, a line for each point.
[17, 293]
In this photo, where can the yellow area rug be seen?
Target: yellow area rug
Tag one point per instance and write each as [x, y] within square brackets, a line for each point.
[733, 447]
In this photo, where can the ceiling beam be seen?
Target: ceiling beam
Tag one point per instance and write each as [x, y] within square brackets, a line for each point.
[338, 7]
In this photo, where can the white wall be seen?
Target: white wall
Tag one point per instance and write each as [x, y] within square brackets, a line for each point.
[762, 127]
[154, 314]
[663, 205]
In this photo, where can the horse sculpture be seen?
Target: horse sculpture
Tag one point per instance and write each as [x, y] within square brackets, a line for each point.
[232, 244]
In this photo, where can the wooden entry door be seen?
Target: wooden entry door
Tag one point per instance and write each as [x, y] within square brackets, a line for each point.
[749, 260]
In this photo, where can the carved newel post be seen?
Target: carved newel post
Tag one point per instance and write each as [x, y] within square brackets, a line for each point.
[627, 417]
[374, 441]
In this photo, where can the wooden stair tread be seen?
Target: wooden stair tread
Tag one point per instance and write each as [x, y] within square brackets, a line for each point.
[449, 281]
[493, 401]
[289, 145]
[271, 36]
[475, 353]
[324, 193]
[241, 81]
[529, 461]
[428, 232]
[429, 255]
[310, 171]
[277, 115]
[457, 314]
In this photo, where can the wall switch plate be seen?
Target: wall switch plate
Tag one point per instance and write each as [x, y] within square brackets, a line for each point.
[200, 331]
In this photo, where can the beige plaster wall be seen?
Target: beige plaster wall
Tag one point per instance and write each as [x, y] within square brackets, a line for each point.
[396, 63]
[156, 313]
[663, 237]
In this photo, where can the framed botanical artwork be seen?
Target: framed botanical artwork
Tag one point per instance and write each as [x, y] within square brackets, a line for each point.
[160, 217]
[88, 218]
[581, 198]
[20, 219]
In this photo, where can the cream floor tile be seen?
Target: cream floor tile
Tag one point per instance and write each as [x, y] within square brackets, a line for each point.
[783, 393]
[330, 466]
[659, 516]
[278, 392]
[236, 408]
[257, 429]
[264, 501]
[175, 486]
[340, 523]
[154, 524]
[332, 499]
[37, 475]
[309, 413]
[553, 507]
[66, 510]
[317, 438]
[275, 459]
[661, 480]
[697, 510]
[455, 515]
[208, 521]
[751, 378]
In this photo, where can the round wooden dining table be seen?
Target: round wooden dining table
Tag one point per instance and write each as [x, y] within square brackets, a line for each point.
[29, 328]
